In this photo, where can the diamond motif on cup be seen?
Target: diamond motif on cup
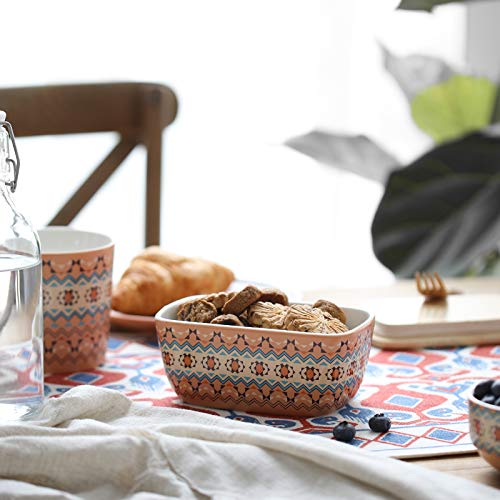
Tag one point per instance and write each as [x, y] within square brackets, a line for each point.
[68, 297]
[93, 294]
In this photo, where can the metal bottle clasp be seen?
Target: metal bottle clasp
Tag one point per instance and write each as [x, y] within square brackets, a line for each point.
[14, 163]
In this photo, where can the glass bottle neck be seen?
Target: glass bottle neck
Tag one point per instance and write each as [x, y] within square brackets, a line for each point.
[5, 169]
[9, 166]
[4, 154]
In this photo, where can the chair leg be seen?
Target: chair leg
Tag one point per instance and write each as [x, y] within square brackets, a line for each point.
[153, 141]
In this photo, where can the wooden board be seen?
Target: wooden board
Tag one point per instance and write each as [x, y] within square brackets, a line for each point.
[410, 322]
[479, 338]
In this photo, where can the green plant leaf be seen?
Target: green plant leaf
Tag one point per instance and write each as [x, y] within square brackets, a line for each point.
[426, 5]
[458, 106]
[442, 212]
[357, 154]
[416, 72]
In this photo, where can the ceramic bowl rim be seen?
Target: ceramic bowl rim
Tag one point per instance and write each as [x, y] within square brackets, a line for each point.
[478, 402]
[159, 318]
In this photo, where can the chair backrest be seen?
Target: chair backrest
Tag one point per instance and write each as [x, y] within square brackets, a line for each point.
[138, 112]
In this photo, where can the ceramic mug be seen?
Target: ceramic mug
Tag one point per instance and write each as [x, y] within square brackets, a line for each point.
[76, 272]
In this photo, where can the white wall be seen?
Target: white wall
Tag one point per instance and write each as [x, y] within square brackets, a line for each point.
[248, 75]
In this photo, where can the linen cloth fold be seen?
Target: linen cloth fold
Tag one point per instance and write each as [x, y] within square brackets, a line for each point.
[96, 443]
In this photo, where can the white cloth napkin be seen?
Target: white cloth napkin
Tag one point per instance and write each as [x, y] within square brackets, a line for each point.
[96, 443]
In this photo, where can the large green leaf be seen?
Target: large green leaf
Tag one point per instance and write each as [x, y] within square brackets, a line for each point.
[357, 154]
[442, 212]
[427, 5]
[458, 106]
[444, 104]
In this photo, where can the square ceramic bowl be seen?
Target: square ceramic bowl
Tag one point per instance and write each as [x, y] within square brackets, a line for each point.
[261, 370]
[484, 427]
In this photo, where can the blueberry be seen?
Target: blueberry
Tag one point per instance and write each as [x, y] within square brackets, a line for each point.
[489, 398]
[379, 423]
[495, 388]
[344, 432]
[482, 389]
[497, 402]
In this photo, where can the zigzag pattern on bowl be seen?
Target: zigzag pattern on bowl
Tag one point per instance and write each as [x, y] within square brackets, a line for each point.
[287, 374]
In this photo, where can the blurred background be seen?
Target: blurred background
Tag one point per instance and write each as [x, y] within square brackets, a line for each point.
[248, 76]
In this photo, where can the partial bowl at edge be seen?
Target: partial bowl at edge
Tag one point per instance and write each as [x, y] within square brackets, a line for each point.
[484, 427]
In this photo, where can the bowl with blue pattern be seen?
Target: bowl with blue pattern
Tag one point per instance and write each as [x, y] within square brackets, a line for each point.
[484, 427]
[261, 370]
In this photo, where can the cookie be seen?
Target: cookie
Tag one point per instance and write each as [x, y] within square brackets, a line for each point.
[199, 311]
[246, 297]
[227, 319]
[244, 318]
[218, 299]
[274, 296]
[304, 318]
[266, 315]
[336, 326]
[331, 308]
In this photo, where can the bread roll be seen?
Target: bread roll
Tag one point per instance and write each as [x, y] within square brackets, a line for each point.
[156, 278]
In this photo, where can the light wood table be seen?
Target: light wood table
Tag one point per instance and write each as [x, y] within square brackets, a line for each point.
[471, 465]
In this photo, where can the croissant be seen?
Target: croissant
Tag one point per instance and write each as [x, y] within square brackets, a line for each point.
[155, 278]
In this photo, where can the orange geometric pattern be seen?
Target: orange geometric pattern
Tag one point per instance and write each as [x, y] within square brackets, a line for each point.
[305, 374]
[76, 304]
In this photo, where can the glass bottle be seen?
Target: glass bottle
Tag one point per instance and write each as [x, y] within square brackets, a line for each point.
[21, 318]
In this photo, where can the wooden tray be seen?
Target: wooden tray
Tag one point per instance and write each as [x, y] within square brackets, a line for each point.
[410, 323]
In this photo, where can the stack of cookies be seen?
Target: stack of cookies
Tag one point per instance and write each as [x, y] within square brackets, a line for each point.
[266, 308]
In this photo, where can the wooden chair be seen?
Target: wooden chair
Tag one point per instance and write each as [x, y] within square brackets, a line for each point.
[138, 112]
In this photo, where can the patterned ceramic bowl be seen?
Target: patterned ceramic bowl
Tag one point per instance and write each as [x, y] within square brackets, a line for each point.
[484, 426]
[261, 370]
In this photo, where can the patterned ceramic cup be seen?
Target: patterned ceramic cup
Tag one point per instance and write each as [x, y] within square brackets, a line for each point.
[484, 427]
[77, 268]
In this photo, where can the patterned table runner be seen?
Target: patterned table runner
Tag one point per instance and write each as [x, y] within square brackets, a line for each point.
[424, 393]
